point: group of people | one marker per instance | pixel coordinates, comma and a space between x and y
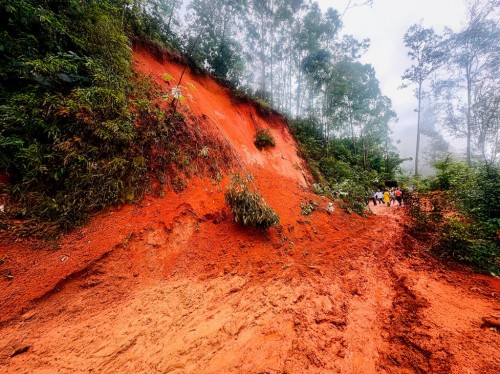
389, 196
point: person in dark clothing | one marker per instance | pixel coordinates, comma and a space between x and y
399, 196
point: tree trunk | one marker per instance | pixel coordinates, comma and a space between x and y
171, 15
290, 90
495, 149
469, 118
417, 150
263, 58
298, 93
271, 50
365, 155
351, 123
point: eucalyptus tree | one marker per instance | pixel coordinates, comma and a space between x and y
316, 53
166, 12
258, 35
423, 46
157, 19
487, 125
306, 37
212, 36
473, 84
269, 33
357, 109
376, 133
350, 87
287, 15
435, 147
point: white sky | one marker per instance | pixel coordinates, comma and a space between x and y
385, 24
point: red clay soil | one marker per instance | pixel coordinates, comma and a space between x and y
174, 286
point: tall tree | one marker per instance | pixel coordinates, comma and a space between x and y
212, 31
473, 84
156, 18
259, 30
316, 43
357, 108
423, 50
435, 146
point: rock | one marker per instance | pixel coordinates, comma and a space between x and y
492, 321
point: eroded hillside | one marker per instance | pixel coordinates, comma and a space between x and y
172, 285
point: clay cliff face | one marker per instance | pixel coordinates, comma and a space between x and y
172, 285
238, 123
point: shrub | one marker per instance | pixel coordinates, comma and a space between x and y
263, 138
460, 242
466, 238
342, 171
473, 191
322, 190
353, 195
65, 80
263, 107
307, 208
249, 208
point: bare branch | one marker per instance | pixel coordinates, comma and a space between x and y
351, 5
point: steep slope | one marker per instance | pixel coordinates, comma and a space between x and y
204, 98
173, 286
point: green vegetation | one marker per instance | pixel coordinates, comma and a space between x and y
66, 125
292, 56
249, 208
307, 208
464, 217
78, 129
263, 139
342, 171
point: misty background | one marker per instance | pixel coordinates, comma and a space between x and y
381, 25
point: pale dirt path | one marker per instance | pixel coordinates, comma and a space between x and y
369, 305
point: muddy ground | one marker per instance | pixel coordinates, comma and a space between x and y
156, 304
172, 285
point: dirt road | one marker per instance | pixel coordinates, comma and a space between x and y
366, 303
171, 285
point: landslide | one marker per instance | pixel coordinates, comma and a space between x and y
172, 285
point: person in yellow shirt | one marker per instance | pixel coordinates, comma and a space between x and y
387, 198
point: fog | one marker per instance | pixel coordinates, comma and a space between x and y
385, 24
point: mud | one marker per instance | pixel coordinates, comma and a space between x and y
171, 285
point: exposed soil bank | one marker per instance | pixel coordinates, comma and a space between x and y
214, 299
173, 286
